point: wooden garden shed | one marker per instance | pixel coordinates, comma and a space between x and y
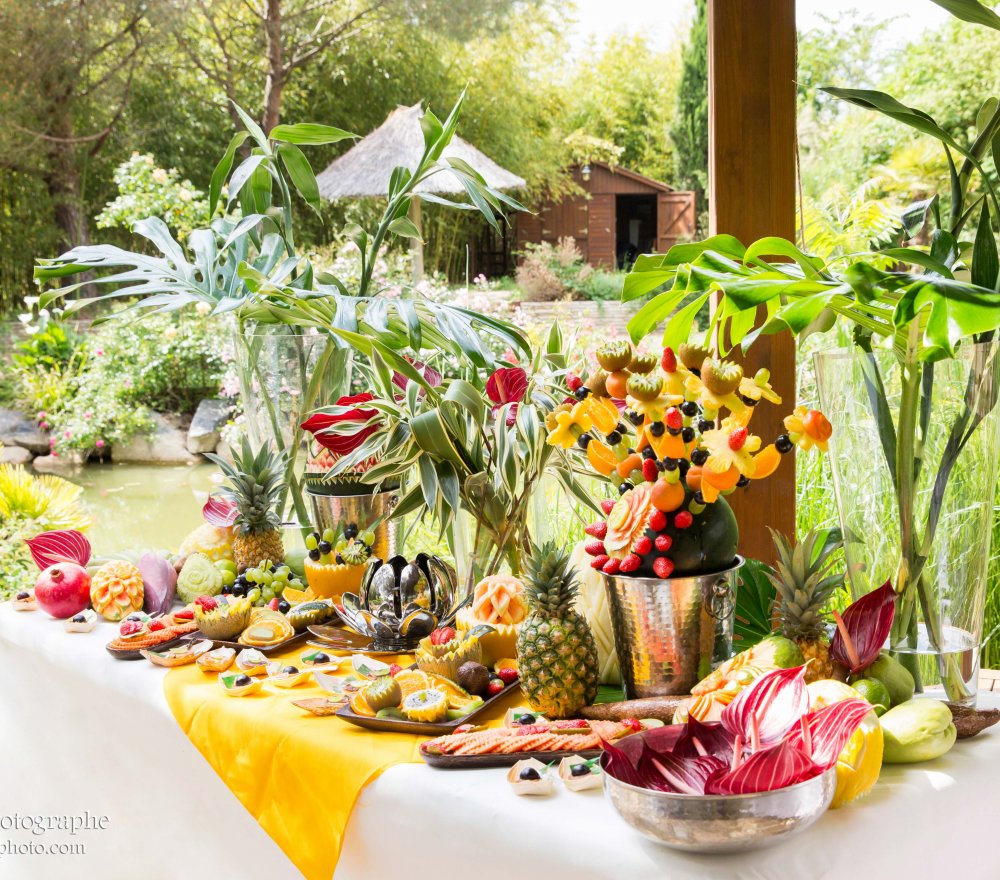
618, 215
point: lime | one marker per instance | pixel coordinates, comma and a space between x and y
228, 577
226, 565
874, 692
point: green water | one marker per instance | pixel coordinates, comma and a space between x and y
138, 507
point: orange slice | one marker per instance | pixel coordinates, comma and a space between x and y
723, 481
604, 413
628, 464
601, 458
359, 705
766, 462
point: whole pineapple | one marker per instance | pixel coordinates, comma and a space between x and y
255, 484
803, 578
556, 652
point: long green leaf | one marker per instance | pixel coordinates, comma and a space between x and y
301, 174
222, 170
971, 11
309, 133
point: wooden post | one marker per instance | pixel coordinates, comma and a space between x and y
751, 172
416, 245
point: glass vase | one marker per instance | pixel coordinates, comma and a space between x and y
914, 453
285, 373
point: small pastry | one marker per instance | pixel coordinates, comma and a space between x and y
83, 622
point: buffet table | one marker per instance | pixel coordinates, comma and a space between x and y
84, 734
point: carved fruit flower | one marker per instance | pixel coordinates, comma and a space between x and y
628, 520
724, 451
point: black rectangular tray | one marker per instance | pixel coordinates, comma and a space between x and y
420, 727
472, 762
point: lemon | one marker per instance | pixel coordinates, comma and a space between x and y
859, 763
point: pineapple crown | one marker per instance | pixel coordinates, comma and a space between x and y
255, 484
550, 581
804, 581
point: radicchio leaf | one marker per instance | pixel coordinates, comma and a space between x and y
687, 775
769, 769
765, 710
616, 763
219, 511
663, 739
699, 738
828, 730
63, 545
868, 622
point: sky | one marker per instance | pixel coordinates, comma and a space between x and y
662, 20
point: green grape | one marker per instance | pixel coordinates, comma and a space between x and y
228, 577
368, 538
340, 546
251, 575
282, 573
328, 536
266, 578
312, 542
253, 595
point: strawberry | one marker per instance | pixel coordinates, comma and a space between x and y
507, 674
629, 563
273, 604
184, 614
443, 636
663, 567
607, 504
611, 566
129, 627
206, 603
569, 399
658, 521
642, 546
594, 548
683, 520
599, 562
394, 668
573, 382
649, 471
663, 543
156, 625
597, 530
633, 723
495, 686
674, 419
737, 438
669, 360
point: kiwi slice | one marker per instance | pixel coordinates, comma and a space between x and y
692, 356
645, 388
615, 355
643, 363
721, 377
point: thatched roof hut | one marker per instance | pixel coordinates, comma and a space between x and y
364, 170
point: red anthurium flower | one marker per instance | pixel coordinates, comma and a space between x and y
775, 767
62, 545
219, 511
823, 734
688, 775
863, 629
507, 385
431, 376
321, 424
765, 710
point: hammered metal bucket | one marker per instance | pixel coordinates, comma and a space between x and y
337, 511
669, 634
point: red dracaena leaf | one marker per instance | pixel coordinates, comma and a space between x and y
775, 767
219, 511
507, 385
765, 710
823, 734
63, 545
687, 775
867, 622
345, 412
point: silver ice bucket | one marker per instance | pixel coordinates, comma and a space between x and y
368, 511
669, 634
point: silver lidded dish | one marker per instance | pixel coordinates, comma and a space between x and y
401, 601
722, 823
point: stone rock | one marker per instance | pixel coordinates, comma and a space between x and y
63, 462
165, 444
15, 455
224, 450
17, 429
209, 418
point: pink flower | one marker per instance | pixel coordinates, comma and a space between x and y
127, 383
99, 352
67, 433
43, 425
42, 415
99, 444
86, 415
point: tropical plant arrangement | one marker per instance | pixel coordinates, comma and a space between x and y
245, 265
925, 367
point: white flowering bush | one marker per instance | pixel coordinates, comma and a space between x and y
146, 190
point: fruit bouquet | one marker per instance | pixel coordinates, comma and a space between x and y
648, 423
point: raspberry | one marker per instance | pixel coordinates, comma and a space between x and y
657, 520
573, 382
674, 418
611, 566
663, 567
669, 360
495, 686
649, 471
156, 625
683, 520
597, 529
642, 546
607, 504
594, 548
629, 563
507, 674
663, 543
737, 438
394, 668
633, 723
599, 562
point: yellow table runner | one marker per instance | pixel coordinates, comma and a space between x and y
298, 774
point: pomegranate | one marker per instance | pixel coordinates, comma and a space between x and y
63, 589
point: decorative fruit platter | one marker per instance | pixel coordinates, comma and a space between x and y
482, 762
293, 640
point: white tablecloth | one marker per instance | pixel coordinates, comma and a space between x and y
80, 731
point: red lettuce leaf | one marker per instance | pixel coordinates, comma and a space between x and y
823, 734
687, 775
219, 511
63, 545
775, 767
868, 622
507, 385
765, 710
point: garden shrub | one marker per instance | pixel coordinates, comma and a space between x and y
551, 272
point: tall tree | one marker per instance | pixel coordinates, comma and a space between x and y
65, 81
690, 129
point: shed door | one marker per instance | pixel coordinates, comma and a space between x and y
676, 219
602, 231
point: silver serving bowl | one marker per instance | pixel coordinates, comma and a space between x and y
723, 823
